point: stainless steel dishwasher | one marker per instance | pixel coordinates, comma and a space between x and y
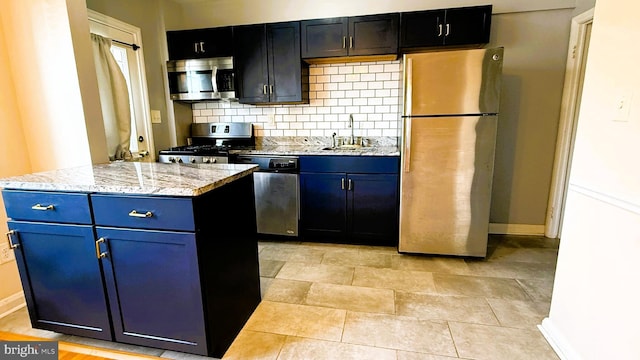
277, 193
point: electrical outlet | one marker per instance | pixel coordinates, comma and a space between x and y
6, 254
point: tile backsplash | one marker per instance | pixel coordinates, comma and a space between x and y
371, 91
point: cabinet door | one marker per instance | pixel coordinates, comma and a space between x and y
200, 43
372, 208
153, 304
251, 64
285, 64
324, 37
323, 205
61, 278
420, 29
470, 25
373, 35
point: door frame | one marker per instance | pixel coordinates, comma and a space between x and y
133, 34
569, 112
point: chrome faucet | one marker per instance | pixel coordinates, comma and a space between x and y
351, 126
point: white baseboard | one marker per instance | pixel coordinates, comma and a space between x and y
516, 229
11, 304
558, 342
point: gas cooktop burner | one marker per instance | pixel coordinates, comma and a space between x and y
197, 150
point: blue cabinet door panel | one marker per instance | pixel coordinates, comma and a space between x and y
61, 278
372, 203
154, 303
165, 213
53, 207
323, 204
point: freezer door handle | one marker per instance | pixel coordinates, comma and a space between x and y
407, 145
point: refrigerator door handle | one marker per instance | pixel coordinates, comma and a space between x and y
408, 86
407, 145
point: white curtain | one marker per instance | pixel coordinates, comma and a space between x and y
114, 98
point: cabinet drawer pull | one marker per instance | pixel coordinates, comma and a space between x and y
42, 207
350, 42
99, 254
134, 213
342, 183
195, 48
11, 244
448, 30
270, 89
344, 42
439, 30
350, 187
264, 89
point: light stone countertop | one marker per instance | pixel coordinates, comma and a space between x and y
317, 150
134, 178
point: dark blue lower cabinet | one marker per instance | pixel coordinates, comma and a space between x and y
351, 208
153, 283
61, 278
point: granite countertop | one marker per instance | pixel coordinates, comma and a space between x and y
134, 178
317, 150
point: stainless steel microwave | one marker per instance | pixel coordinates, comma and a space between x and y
201, 79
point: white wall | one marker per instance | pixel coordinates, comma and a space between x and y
594, 309
51, 63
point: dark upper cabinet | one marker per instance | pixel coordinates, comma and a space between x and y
200, 43
350, 36
268, 64
446, 27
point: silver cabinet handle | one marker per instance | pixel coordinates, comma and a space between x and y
202, 47
439, 30
99, 254
270, 89
342, 183
264, 89
9, 234
448, 30
344, 42
350, 42
42, 207
350, 185
195, 48
134, 213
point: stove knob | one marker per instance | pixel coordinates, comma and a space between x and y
180, 160
214, 160
193, 160
206, 160
172, 159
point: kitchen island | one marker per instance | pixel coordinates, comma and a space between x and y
160, 255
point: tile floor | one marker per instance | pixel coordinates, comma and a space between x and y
328, 301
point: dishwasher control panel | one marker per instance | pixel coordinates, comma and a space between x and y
271, 163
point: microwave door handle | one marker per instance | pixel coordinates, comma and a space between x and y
214, 82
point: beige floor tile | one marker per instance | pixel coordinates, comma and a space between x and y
398, 332
406, 280
291, 252
479, 286
175, 355
265, 283
333, 274
270, 268
407, 355
255, 346
437, 307
511, 270
352, 298
353, 257
115, 346
287, 291
527, 255
538, 289
519, 314
526, 241
300, 348
297, 320
435, 264
482, 342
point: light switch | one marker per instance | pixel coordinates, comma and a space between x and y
622, 107
155, 117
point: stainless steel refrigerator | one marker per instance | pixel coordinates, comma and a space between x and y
451, 103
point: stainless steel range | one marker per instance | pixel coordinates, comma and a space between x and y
210, 143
